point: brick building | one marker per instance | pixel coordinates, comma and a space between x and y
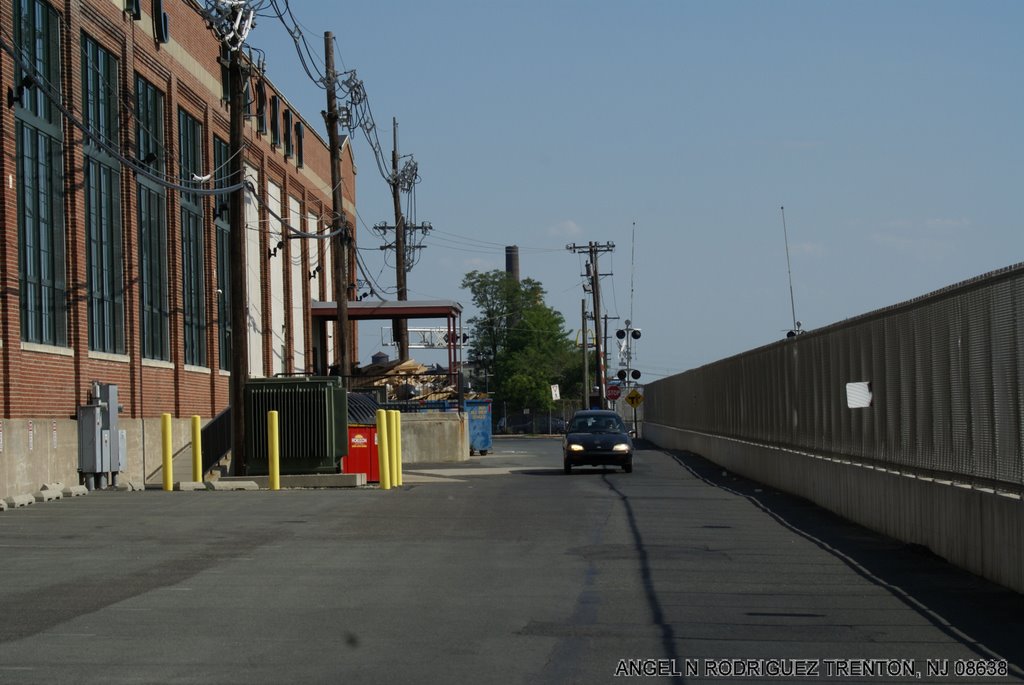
116, 274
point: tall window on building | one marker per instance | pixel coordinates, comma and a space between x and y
152, 220
102, 181
221, 157
287, 133
261, 107
190, 156
225, 73
275, 120
39, 150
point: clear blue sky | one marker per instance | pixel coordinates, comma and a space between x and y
890, 131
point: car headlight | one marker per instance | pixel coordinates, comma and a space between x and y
621, 447
575, 448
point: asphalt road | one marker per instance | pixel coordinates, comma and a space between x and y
501, 570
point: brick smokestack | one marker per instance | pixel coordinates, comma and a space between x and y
512, 261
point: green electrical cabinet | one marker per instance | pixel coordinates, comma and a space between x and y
312, 419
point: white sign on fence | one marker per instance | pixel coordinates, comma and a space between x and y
858, 395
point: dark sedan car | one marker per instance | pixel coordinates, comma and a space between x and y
597, 437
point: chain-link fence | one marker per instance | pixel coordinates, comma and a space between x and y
542, 421
945, 375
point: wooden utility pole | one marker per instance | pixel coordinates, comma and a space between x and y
586, 355
398, 326
238, 73
595, 287
339, 226
594, 275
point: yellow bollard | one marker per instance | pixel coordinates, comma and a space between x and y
274, 449
382, 450
398, 446
392, 449
197, 449
165, 430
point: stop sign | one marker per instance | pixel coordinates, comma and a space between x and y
614, 392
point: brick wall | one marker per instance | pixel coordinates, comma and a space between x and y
40, 381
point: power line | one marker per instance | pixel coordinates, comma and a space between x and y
302, 48
46, 88
135, 165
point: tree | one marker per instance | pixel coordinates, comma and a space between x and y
518, 341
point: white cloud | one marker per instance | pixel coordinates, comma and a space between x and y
927, 239
477, 264
809, 249
565, 229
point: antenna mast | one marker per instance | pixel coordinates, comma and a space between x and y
632, 270
789, 270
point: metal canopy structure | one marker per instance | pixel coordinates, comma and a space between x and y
449, 310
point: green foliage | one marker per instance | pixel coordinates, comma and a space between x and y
519, 342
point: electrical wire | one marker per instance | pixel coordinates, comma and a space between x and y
132, 164
489, 246
39, 81
305, 53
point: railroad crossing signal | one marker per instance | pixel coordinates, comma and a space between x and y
634, 398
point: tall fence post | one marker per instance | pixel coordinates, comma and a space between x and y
197, 449
382, 449
274, 451
165, 444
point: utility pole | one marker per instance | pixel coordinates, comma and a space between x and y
586, 355
238, 73
595, 289
594, 273
399, 325
339, 227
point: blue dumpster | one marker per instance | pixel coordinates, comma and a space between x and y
479, 412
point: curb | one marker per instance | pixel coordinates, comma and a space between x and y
223, 486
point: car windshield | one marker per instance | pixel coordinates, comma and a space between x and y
597, 424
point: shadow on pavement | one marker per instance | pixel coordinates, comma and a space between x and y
576, 471
988, 613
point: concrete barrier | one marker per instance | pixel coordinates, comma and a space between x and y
432, 437
976, 529
16, 501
